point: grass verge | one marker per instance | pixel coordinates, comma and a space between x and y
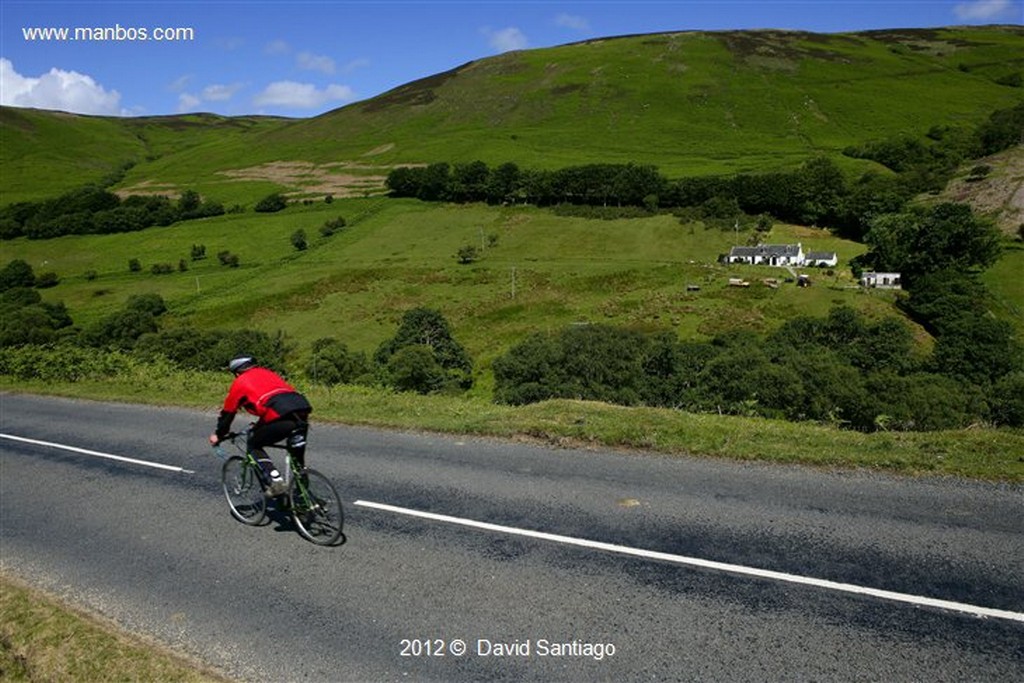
981, 453
44, 639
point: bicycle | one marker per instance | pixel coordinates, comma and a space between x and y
310, 498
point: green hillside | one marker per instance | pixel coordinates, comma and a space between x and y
691, 103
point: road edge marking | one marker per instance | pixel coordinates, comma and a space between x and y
917, 600
98, 454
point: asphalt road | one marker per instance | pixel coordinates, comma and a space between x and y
415, 598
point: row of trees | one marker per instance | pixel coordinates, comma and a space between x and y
94, 210
817, 193
840, 370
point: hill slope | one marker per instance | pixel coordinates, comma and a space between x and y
691, 103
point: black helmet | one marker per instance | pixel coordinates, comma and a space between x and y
240, 364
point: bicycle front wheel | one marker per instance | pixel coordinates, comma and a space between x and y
243, 490
316, 508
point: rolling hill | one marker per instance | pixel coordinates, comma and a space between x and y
691, 103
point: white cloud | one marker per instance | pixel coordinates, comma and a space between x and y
570, 21
984, 10
312, 62
188, 102
57, 89
506, 39
293, 95
220, 93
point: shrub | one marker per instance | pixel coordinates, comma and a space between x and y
16, 273
1008, 400
468, 254
332, 226
299, 240
332, 363
428, 328
63, 363
134, 265
415, 368
271, 203
46, 280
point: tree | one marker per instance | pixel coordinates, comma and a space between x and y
922, 240
271, 203
428, 328
415, 368
1008, 400
818, 189
977, 348
299, 240
16, 273
333, 363
468, 254
188, 202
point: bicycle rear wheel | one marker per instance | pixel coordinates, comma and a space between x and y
316, 508
244, 491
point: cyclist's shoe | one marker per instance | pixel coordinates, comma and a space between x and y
277, 487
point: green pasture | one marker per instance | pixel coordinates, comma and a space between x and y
690, 103
537, 272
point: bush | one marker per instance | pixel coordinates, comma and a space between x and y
592, 362
1008, 400
299, 240
193, 349
226, 258
415, 368
332, 226
427, 328
468, 254
61, 363
134, 265
271, 203
16, 273
332, 363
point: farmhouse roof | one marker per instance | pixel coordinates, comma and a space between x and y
820, 255
790, 250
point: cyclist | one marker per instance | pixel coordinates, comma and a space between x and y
282, 411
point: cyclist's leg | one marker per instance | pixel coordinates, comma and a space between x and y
297, 439
264, 434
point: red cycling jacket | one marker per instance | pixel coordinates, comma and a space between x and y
263, 393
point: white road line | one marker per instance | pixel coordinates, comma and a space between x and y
98, 454
974, 610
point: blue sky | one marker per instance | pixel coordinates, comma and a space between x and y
303, 58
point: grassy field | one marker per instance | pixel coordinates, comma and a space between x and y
538, 272
691, 103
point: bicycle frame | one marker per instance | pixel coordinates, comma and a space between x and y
240, 440
309, 498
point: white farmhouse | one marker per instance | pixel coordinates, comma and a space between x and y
781, 255
768, 255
